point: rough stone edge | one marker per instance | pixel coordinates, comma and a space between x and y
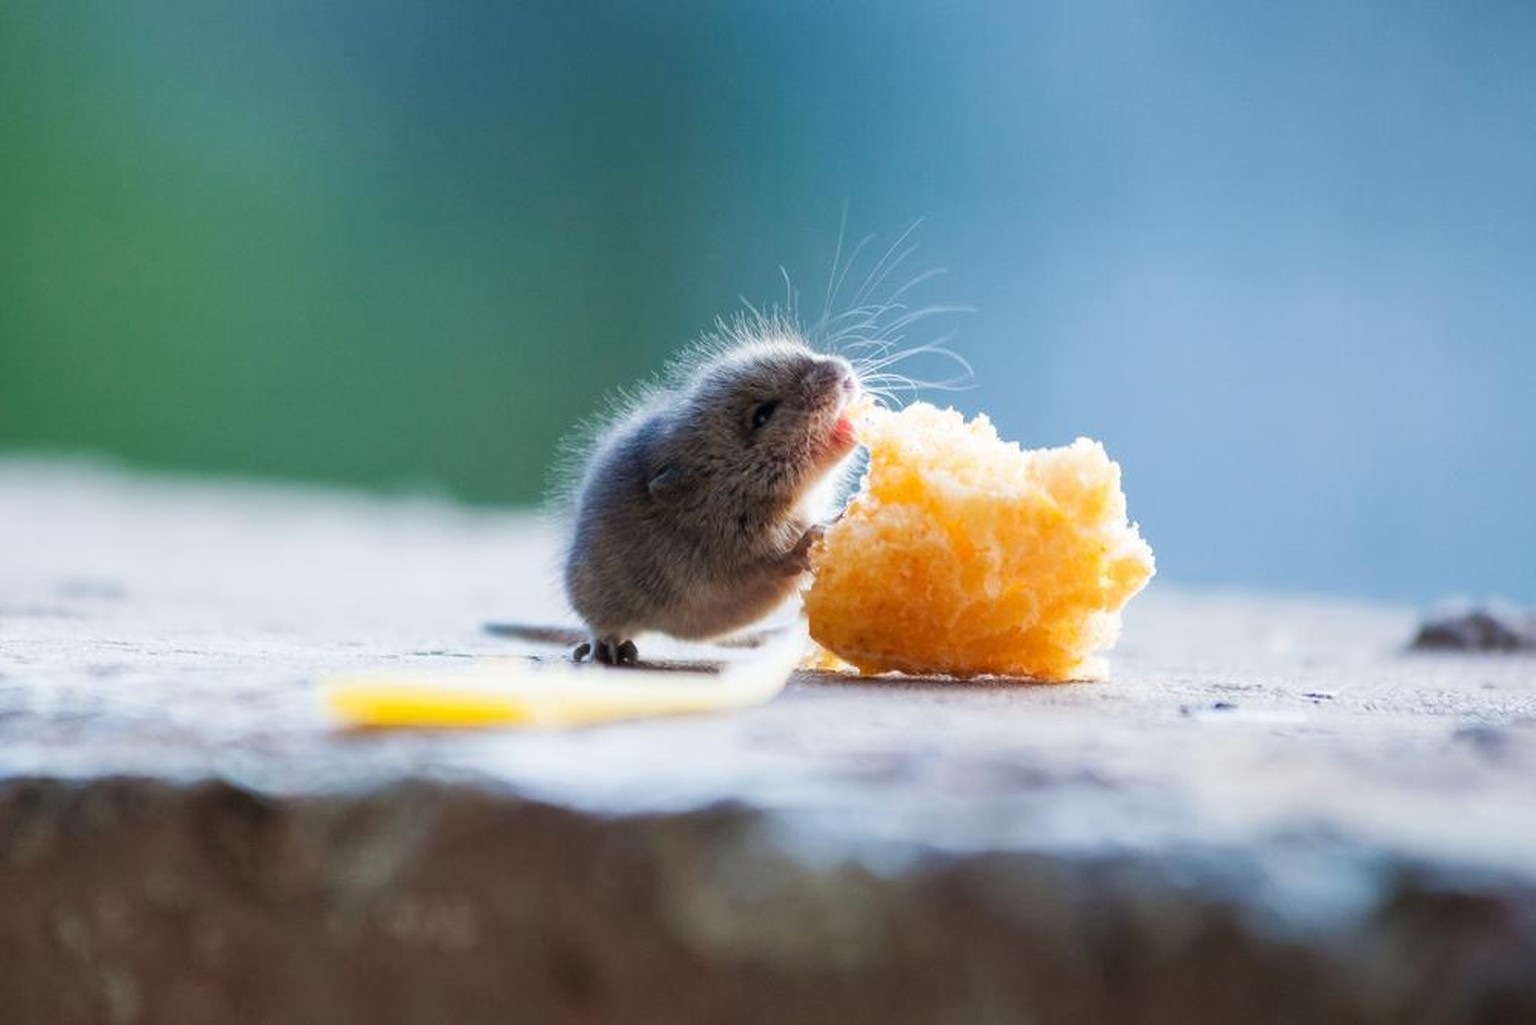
134, 900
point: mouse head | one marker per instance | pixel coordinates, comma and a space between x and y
762, 422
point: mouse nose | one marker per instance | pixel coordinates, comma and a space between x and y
833, 370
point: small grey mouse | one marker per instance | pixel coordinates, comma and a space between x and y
696, 509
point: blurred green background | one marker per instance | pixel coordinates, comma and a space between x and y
1280, 260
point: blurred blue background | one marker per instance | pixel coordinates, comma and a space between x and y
1282, 260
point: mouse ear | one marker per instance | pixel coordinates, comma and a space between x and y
670, 485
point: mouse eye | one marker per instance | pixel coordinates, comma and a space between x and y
763, 413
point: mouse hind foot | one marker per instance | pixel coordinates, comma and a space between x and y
610, 651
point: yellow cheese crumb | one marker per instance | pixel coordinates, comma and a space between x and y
518, 692
964, 555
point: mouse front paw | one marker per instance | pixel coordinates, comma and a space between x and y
610, 651
798, 559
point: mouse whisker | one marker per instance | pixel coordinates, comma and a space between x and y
936, 348
914, 385
876, 338
837, 256
837, 279
857, 324
921, 313
887, 264
884, 389
925, 276
790, 310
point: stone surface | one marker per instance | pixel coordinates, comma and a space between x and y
1272, 812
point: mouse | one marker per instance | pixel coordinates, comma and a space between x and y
696, 507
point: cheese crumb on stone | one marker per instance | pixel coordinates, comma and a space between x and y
964, 555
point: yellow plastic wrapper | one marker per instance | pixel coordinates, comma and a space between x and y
963, 555
518, 692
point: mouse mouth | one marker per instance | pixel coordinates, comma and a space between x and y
844, 434
833, 398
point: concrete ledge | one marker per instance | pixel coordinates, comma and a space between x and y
1271, 813
129, 900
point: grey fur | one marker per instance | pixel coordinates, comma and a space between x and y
689, 520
